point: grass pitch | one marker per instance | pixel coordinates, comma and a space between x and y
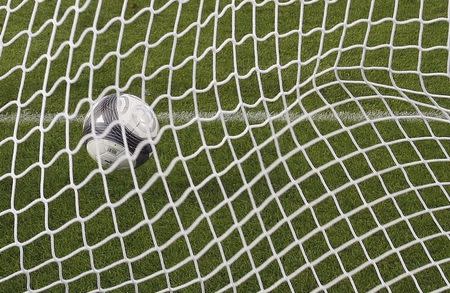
301, 204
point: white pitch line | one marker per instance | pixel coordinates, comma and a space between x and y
251, 117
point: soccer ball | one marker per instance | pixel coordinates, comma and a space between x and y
120, 112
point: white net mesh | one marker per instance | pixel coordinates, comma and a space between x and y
304, 146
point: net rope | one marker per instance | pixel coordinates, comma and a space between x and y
431, 109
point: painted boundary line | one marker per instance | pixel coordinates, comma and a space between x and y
252, 117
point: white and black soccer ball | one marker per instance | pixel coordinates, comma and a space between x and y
120, 112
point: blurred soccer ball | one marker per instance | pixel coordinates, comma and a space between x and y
116, 121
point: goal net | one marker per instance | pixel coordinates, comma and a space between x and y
303, 146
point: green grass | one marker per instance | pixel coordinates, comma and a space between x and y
322, 195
